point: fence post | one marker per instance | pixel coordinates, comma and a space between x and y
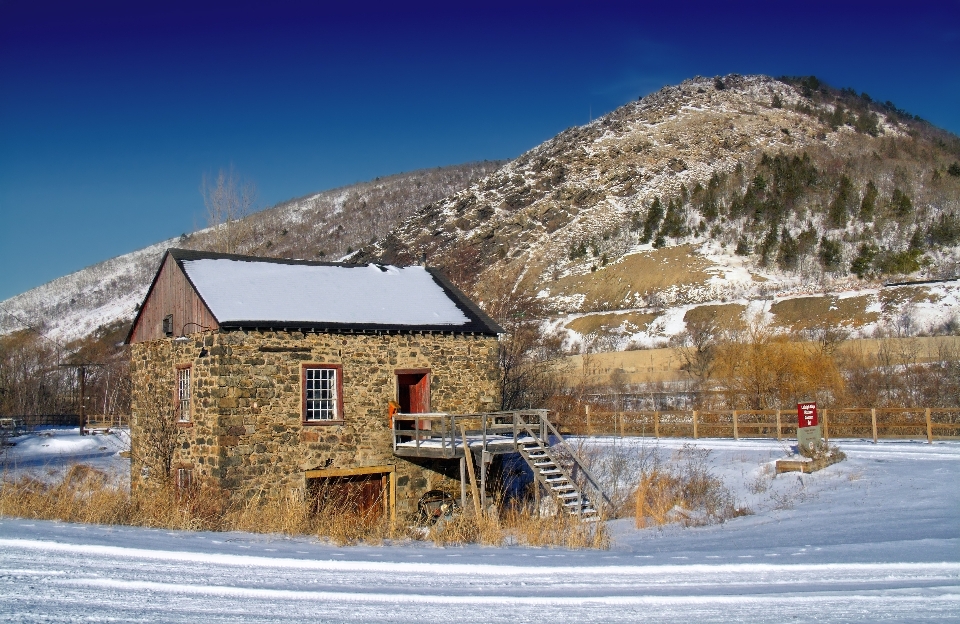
926, 413
586, 409
736, 432
778, 425
656, 425
621, 424
694, 424
826, 428
873, 423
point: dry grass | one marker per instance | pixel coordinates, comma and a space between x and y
687, 493
812, 312
591, 323
728, 316
521, 528
86, 495
644, 273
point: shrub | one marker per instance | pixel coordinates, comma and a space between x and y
898, 262
688, 493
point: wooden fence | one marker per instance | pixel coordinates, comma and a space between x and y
30, 421
876, 423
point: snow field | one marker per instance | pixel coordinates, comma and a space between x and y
874, 538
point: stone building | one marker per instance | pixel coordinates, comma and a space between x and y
277, 374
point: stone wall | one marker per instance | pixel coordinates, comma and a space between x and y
246, 430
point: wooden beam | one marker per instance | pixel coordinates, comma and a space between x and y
348, 472
463, 483
393, 496
468, 456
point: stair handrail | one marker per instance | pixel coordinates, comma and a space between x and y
592, 480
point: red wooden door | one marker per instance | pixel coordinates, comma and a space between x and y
413, 392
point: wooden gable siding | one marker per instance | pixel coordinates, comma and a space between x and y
172, 294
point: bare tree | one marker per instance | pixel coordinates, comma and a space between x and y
228, 200
526, 353
155, 435
697, 346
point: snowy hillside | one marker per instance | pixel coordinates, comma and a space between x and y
322, 225
734, 189
76, 305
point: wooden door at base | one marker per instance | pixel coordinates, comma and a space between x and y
363, 495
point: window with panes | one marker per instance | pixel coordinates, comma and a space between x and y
183, 394
322, 395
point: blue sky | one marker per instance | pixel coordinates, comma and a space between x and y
111, 112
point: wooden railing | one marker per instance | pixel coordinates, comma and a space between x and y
876, 423
444, 430
107, 420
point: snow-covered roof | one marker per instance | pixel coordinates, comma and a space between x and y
255, 292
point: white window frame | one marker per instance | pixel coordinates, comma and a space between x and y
184, 406
322, 393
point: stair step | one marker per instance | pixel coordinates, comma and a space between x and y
570, 495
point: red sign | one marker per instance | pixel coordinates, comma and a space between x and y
807, 415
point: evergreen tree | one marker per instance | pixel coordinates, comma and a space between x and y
862, 264
901, 204
654, 217
788, 255
837, 212
831, 254
869, 203
674, 223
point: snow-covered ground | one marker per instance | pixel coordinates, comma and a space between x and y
47, 452
875, 538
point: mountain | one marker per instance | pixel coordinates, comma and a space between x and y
103, 297
734, 192
719, 198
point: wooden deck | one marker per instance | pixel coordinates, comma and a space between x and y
441, 435
476, 438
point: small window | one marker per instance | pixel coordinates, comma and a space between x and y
322, 394
184, 479
183, 394
168, 325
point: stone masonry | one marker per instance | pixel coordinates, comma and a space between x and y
246, 431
